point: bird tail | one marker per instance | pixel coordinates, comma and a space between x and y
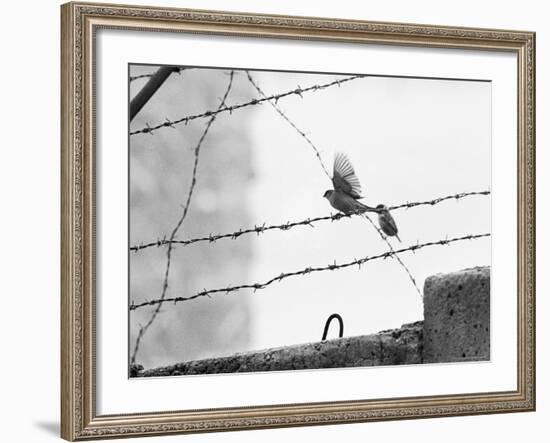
361, 207
397, 236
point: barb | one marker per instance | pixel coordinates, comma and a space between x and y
143, 329
284, 116
309, 270
396, 257
260, 229
298, 91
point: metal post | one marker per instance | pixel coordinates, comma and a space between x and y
149, 89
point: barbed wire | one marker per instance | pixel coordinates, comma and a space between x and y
172, 241
137, 77
308, 270
276, 97
260, 229
143, 329
290, 122
435, 201
318, 155
396, 257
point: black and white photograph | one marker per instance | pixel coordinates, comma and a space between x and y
284, 221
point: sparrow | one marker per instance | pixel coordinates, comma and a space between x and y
347, 189
386, 222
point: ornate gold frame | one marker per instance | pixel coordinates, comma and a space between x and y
79, 420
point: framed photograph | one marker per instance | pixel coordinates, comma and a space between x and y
282, 221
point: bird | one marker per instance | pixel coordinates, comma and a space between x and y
386, 222
347, 189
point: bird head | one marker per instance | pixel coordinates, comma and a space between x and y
328, 193
381, 208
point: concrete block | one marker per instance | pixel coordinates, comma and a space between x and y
457, 316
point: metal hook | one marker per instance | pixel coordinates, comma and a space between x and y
327, 325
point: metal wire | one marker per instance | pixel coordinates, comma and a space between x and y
306, 271
138, 77
260, 229
143, 329
297, 91
290, 122
396, 257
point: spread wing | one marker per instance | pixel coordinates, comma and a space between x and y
344, 178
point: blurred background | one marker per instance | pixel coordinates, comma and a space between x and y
409, 139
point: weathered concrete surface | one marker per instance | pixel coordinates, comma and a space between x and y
455, 328
457, 316
392, 347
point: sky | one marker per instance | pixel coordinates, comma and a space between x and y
409, 140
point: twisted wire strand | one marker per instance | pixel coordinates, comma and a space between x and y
276, 97
260, 229
290, 122
138, 77
308, 270
395, 256
143, 329
438, 200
